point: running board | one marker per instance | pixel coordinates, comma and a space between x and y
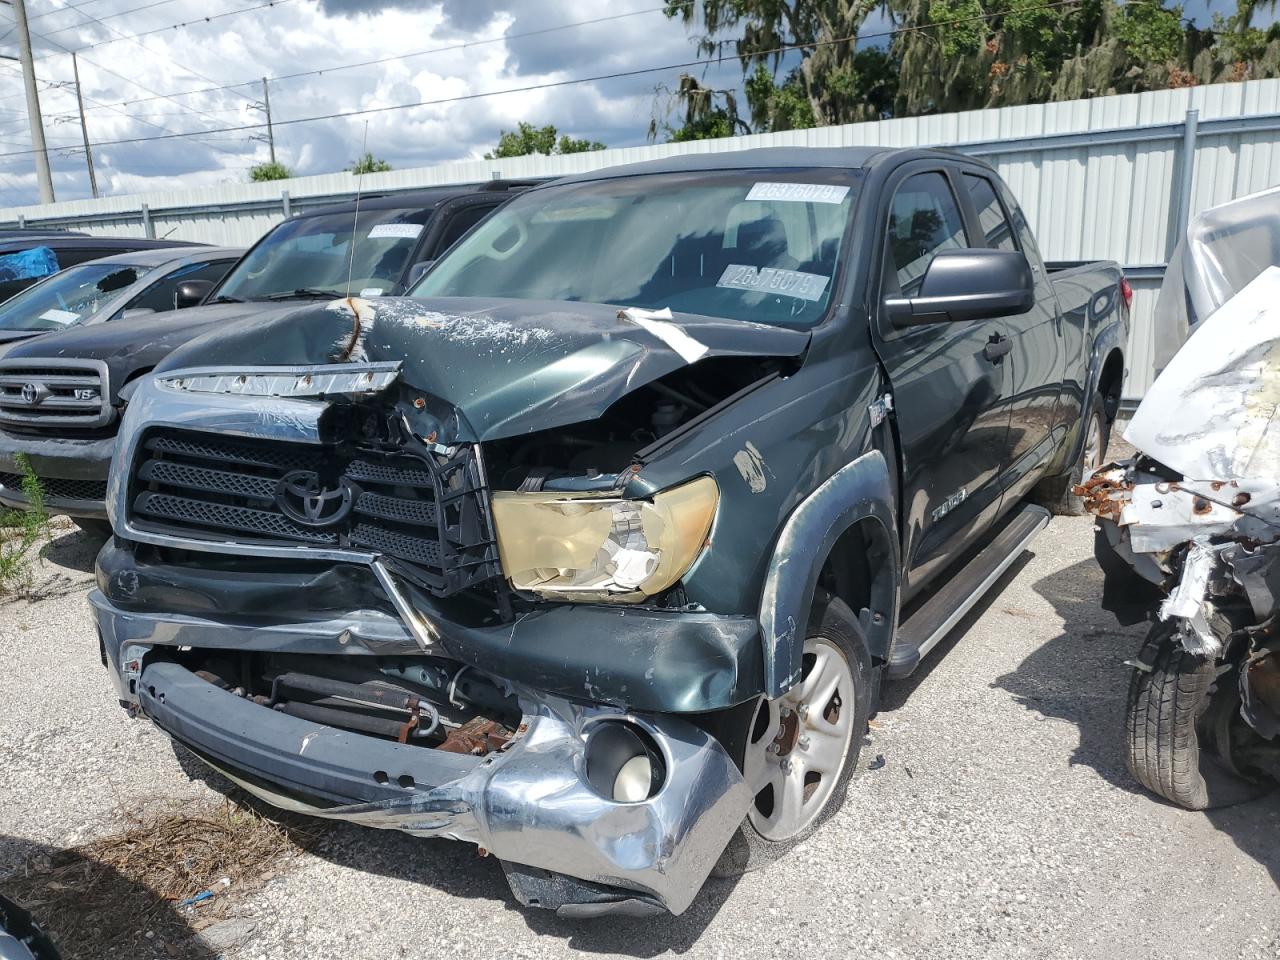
936, 616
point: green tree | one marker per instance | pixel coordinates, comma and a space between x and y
950, 55
754, 30
708, 113
1151, 34
369, 164
269, 170
527, 139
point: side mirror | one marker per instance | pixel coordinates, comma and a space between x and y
967, 285
416, 272
191, 293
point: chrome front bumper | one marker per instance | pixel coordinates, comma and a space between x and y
529, 804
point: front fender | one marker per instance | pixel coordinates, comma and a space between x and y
861, 490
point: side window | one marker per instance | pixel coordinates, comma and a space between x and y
159, 296
1026, 240
991, 217
923, 220
460, 223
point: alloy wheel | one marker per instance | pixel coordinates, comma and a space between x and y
799, 744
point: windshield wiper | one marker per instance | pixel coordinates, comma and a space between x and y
303, 293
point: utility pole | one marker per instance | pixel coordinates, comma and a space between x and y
84, 130
266, 105
33, 101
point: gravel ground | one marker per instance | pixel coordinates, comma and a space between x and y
992, 816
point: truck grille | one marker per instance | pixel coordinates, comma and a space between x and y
427, 514
57, 488
72, 394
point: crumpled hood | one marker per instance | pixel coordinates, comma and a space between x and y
506, 367
138, 343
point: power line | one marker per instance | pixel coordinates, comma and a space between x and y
66, 7
169, 133
177, 26
552, 84
406, 56
180, 66
109, 16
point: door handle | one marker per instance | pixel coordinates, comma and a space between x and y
997, 347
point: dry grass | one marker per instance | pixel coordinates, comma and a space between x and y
100, 899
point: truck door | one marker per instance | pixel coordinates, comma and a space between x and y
1037, 357
949, 385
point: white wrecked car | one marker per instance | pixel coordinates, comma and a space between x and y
1196, 516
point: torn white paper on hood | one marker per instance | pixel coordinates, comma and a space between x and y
1214, 413
658, 322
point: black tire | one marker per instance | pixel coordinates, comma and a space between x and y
98, 529
1168, 707
18, 923
832, 620
1055, 493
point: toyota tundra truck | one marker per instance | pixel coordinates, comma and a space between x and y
596, 549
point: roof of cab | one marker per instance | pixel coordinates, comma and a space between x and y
159, 257
420, 199
778, 158
61, 241
35, 233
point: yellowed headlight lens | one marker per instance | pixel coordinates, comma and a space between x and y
581, 547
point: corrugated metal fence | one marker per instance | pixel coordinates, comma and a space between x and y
1099, 179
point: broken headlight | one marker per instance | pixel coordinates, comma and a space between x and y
569, 546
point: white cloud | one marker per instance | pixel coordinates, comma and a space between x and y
302, 35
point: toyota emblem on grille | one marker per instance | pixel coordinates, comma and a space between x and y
304, 499
34, 393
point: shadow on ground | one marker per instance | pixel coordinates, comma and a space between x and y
1080, 677
73, 549
458, 870
91, 910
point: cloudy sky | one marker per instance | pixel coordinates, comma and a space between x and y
246, 39
121, 78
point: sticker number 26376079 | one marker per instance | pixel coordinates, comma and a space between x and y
791, 283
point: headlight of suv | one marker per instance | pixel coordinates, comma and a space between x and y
579, 546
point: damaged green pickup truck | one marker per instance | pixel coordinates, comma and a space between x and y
594, 552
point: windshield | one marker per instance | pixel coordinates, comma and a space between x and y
68, 297
313, 255
748, 245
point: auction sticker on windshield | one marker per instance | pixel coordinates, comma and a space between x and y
792, 283
399, 231
799, 192
60, 316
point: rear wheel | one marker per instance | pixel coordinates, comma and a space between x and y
1056, 493
1176, 709
803, 747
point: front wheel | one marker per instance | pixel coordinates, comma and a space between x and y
803, 747
1174, 704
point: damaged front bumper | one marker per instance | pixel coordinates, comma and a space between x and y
563, 844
